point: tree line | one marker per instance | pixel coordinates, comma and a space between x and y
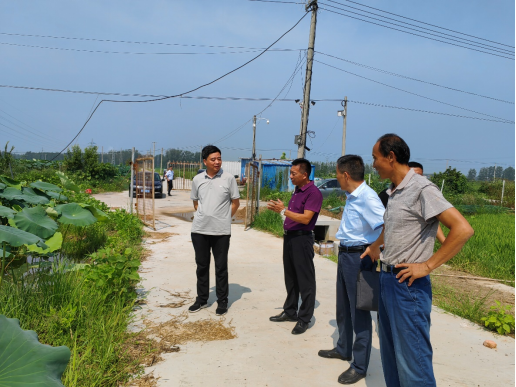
491, 173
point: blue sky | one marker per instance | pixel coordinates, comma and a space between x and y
191, 123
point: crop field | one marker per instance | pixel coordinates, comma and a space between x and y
490, 252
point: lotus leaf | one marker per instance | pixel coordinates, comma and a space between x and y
11, 193
24, 361
100, 215
51, 212
55, 195
7, 252
41, 193
6, 212
32, 197
14, 237
53, 244
73, 213
36, 221
45, 186
67, 183
2, 186
10, 182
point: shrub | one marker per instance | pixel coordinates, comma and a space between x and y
454, 181
500, 319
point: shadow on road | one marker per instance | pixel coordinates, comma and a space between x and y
235, 293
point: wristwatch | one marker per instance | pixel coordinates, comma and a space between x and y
282, 213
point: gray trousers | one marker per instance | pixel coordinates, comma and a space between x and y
350, 319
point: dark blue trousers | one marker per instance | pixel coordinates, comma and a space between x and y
404, 331
350, 319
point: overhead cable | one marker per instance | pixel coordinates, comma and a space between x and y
411, 33
412, 79
462, 41
417, 95
189, 91
428, 24
145, 53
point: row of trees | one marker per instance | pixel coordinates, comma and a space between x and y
491, 173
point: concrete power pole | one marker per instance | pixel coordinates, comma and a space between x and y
344, 114
102, 157
308, 79
253, 157
161, 162
494, 173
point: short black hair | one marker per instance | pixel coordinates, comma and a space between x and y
391, 142
415, 164
208, 150
304, 166
353, 165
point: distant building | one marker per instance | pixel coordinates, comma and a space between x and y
275, 173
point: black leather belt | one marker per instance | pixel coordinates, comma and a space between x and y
352, 249
390, 268
297, 232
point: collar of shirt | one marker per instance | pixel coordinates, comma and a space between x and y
218, 174
356, 192
403, 183
305, 187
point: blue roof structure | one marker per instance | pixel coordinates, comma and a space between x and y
275, 173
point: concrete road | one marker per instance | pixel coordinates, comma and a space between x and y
267, 354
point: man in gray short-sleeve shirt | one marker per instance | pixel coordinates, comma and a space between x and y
215, 197
414, 210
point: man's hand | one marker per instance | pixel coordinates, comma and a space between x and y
412, 271
373, 252
275, 205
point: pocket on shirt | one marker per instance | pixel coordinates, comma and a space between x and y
353, 220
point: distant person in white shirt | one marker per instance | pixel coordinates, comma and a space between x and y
170, 177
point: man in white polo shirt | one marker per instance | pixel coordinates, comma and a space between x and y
216, 199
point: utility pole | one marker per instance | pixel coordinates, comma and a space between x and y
153, 152
308, 79
102, 157
446, 164
494, 173
161, 162
253, 157
344, 114
200, 159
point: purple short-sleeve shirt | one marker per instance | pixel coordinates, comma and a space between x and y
309, 198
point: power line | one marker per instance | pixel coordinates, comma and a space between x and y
144, 53
136, 42
429, 112
41, 138
428, 24
190, 91
299, 64
411, 33
44, 135
472, 42
417, 95
412, 79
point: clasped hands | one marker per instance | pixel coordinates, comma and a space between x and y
411, 271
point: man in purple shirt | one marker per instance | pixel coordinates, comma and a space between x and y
298, 241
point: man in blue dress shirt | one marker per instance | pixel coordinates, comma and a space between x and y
361, 225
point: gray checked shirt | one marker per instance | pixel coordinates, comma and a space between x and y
214, 196
410, 220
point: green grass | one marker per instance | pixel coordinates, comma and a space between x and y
269, 221
490, 252
459, 303
63, 309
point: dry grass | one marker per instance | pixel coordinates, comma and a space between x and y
146, 347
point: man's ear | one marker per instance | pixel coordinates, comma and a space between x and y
391, 156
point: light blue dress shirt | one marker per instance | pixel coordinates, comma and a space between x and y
362, 218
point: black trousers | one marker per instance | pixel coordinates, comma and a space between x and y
169, 186
219, 245
298, 265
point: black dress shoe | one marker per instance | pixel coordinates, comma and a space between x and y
350, 376
332, 354
300, 327
282, 317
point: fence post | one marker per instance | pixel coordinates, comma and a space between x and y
132, 177
259, 184
503, 189
442, 186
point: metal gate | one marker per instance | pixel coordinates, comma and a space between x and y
253, 201
183, 174
144, 190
